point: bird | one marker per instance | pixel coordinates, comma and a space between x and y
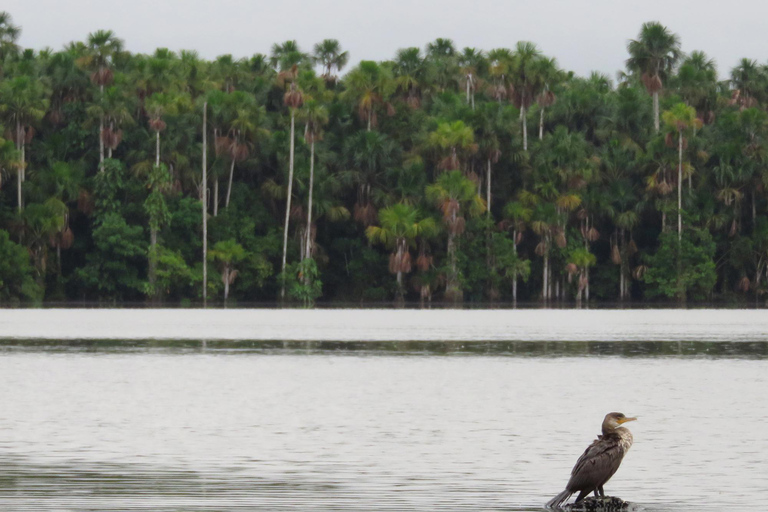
599, 461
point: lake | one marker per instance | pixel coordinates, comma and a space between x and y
384, 410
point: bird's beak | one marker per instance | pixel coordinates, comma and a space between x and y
624, 420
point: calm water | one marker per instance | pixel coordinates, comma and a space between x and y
475, 426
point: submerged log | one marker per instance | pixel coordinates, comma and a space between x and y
604, 504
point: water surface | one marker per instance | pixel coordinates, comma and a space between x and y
167, 429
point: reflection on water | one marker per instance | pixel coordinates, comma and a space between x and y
100, 427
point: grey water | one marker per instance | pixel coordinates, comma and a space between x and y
488, 424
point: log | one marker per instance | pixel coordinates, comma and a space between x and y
603, 504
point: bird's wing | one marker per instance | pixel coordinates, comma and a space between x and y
596, 465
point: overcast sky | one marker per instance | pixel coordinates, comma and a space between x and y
583, 35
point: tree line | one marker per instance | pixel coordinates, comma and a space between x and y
441, 174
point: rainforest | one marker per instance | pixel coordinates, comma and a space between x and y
442, 175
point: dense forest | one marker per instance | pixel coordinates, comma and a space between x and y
442, 174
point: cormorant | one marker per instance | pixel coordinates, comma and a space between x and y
599, 462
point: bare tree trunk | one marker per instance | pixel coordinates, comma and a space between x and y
153, 261
215, 196
679, 185
204, 200
288, 202
309, 206
586, 285
157, 149
525, 128
101, 129
541, 124
229, 187
656, 111
101, 144
514, 291
370, 113
488, 188
468, 77
226, 283
20, 171
545, 287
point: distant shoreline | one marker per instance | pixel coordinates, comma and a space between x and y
345, 325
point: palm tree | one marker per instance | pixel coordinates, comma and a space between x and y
456, 196
400, 225
368, 86
697, 79
9, 33
547, 75
678, 119
524, 81
518, 214
315, 115
471, 63
158, 106
102, 47
499, 69
748, 80
369, 155
293, 99
112, 112
579, 261
328, 54
246, 124
22, 104
228, 70
454, 142
441, 55
409, 74
67, 80
653, 56
287, 55
227, 254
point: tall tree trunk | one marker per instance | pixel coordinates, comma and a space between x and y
656, 111
226, 283
311, 187
229, 187
586, 285
288, 202
204, 200
153, 261
525, 128
215, 196
101, 144
370, 113
545, 284
541, 124
101, 129
468, 77
20, 171
679, 185
157, 149
488, 188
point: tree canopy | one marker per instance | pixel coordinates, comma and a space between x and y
468, 174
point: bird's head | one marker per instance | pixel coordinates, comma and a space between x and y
614, 420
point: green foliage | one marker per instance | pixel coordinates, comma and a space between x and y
684, 269
303, 281
16, 274
116, 268
444, 172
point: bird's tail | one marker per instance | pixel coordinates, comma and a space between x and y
558, 500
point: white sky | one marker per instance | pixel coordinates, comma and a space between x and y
583, 35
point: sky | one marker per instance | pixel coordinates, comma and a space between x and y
583, 35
